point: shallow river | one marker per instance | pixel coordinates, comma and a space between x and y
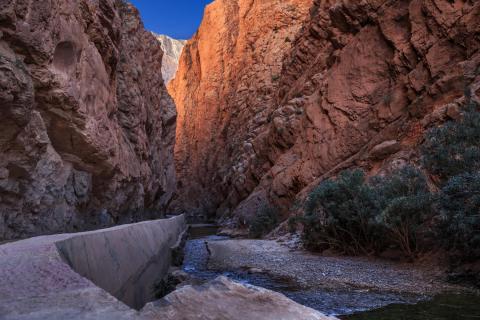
346, 304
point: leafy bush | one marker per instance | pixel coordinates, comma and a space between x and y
354, 216
406, 205
339, 214
264, 221
454, 148
452, 152
459, 217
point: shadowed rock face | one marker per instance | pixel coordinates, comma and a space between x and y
86, 124
357, 86
172, 49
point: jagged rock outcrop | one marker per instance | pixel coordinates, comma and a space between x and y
172, 49
357, 88
86, 124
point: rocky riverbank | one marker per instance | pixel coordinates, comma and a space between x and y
314, 271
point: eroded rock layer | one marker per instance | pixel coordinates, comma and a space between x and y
359, 84
86, 124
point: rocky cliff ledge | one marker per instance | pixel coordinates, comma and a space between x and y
269, 104
86, 124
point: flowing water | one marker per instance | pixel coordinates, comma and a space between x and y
347, 304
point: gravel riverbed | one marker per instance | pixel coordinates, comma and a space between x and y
314, 271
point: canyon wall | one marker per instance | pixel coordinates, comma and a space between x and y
226, 83
86, 124
172, 49
356, 86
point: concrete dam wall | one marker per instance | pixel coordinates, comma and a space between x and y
125, 260
103, 273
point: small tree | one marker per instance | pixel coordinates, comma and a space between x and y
459, 219
452, 152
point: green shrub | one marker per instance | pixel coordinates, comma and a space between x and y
452, 152
265, 220
339, 214
406, 205
292, 224
354, 216
459, 217
454, 148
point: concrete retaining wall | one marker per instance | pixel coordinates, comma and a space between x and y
125, 261
84, 275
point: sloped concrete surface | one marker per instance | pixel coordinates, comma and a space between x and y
125, 261
36, 282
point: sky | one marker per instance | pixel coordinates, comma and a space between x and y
178, 19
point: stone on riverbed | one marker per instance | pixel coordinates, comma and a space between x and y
223, 299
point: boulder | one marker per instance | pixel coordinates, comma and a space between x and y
224, 299
384, 149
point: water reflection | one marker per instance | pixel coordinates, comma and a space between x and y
443, 307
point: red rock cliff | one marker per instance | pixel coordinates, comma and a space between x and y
86, 125
224, 89
359, 84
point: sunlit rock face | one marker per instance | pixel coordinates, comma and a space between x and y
224, 88
274, 96
172, 49
86, 124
